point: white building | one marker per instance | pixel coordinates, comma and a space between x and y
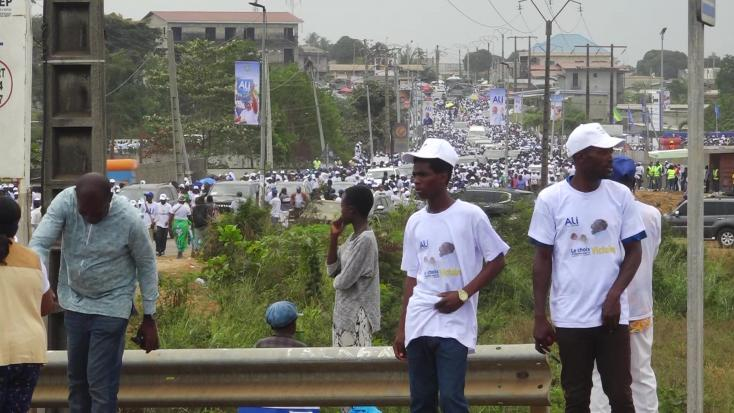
282, 29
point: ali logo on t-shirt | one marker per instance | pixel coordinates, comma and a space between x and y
597, 227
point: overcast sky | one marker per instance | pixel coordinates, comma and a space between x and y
634, 23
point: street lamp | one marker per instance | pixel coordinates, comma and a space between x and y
662, 76
263, 74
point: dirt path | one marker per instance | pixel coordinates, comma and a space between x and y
172, 266
664, 201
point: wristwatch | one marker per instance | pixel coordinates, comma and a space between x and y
463, 296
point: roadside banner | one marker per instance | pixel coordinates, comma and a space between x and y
497, 106
556, 107
518, 104
15, 88
246, 93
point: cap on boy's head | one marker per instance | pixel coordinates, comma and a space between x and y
281, 314
434, 148
587, 135
623, 169
163, 197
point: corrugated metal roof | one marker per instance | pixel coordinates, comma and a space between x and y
223, 17
565, 43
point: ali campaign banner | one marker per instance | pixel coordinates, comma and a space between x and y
518, 104
246, 94
497, 106
556, 107
15, 88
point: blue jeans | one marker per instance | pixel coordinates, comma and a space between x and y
95, 347
437, 370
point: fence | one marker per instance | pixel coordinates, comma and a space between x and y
505, 375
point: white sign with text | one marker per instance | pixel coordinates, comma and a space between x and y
15, 87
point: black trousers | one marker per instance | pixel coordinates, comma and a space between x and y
161, 235
579, 348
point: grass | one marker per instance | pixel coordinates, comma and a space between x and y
251, 265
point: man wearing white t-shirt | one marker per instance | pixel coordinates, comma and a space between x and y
644, 384
162, 219
587, 232
275, 204
450, 252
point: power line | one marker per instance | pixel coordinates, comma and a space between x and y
505, 20
130, 77
471, 18
583, 19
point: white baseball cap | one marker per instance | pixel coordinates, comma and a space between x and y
589, 134
434, 148
163, 197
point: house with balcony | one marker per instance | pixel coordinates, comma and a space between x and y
281, 39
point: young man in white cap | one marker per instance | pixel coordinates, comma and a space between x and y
162, 220
644, 384
587, 232
450, 252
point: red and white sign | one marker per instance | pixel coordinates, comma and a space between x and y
15, 88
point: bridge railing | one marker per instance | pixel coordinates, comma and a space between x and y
511, 375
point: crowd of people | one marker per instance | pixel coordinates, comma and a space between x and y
582, 224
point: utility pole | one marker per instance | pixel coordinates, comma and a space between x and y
546, 92
268, 111
460, 63
588, 84
514, 69
318, 118
588, 80
468, 65
695, 253
530, 64
489, 66
398, 103
179, 158
517, 59
263, 95
438, 57
369, 123
612, 70
388, 135
502, 66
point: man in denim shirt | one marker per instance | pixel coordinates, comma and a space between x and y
105, 251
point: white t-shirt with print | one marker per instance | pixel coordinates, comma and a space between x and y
587, 231
162, 214
640, 289
445, 252
181, 211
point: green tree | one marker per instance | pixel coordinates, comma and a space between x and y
725, 78
674, 62
296, 138
346, 50
678, 91
313, 39
479, 61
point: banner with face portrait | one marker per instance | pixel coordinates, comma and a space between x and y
497, 106
518, 104
246, 94
556, 107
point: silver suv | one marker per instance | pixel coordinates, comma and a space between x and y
718, 220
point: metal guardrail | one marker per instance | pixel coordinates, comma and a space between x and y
513, 375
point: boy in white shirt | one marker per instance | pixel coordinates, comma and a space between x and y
644, 384
587, 232
450, 252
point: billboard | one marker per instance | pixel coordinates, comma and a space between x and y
247, 93
556, 107
15, 88
497, 106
